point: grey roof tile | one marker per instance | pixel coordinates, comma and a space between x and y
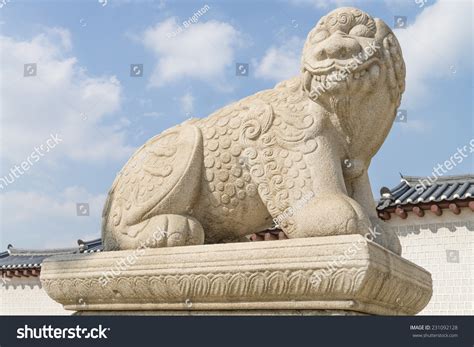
446, 188
16, 258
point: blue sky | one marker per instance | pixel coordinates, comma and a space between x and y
83, 90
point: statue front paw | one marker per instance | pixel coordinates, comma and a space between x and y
329, 215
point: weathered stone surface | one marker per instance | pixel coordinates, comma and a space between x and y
219, 178
297, 154
274, 277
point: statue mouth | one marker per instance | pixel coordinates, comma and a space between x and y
333, 75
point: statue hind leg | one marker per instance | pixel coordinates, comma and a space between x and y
165, 230
149, 202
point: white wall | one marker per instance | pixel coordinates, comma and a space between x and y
25, 296
444, 246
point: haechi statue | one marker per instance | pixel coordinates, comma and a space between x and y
304, 146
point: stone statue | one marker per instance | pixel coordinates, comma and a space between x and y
297, 154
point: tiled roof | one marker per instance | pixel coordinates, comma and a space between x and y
22, 259
414, 190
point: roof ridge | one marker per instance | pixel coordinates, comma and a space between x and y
442, 178
82, 246
22, 252
413, 190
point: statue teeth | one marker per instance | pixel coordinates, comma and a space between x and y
357, 75
374, 73
307, 80
323, 78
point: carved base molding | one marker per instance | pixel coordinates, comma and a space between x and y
296, 276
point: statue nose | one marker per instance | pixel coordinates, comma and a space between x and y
337, 46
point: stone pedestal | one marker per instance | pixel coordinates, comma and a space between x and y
322, 275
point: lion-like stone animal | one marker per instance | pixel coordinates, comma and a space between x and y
219, 178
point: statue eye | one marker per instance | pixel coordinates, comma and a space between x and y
320, 35
360, 30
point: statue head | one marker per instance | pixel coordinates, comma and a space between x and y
350, 54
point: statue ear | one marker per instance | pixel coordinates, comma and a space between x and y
393, 58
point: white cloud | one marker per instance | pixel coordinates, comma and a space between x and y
314, 3
415, 125
281, 62
323, 4
438, 41
62, 35
187, 103
326, 4
203, 51
144, 102
153, 114
23, 212
62, 98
